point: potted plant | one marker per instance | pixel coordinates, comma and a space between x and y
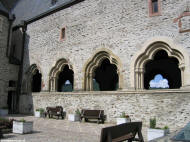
123, 118
74, 117
6, 125
156, 132
22, 126
4, 111
39, 112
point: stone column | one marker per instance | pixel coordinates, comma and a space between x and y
53, 84
182, 68
139, 78
141, 72
90, 82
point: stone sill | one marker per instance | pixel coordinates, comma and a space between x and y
170, 91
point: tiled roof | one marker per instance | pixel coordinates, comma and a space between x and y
3, 9
28, 9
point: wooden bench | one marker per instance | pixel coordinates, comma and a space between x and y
54, 111
122, 132
93, 114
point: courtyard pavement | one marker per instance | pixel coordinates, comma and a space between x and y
53, 130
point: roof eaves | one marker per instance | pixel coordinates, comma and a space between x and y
53, 10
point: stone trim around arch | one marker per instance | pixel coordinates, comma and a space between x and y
96, 61
28, 81
147, 53
54, 73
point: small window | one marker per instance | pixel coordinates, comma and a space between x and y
154, 7
62, 33
1, 24
53, 2
12, 83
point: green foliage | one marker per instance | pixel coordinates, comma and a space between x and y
4, 119
123, 115
5, 107
22, 120
77, 112
166, 127
41, 110
153, 123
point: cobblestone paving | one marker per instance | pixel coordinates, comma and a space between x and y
53, 130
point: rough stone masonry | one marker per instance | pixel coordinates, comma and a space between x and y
123, 29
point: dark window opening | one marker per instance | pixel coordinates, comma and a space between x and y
36, 82
106, 77
53, 2
165, 66
62, 33
12, 83
154, 6
11, 101
65, 80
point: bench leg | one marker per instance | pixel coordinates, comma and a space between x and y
85, 119
81, 119
1, 134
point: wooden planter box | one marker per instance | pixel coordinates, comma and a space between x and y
156, 133
22, 127
4, 112
123, 120
74, 117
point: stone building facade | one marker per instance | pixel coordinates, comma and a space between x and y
134, 40
8, 70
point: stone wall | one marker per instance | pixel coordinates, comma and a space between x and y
7, 71
171, 108
121, 27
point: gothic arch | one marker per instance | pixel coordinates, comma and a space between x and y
147, 53
33, 69
54, 73
96, 61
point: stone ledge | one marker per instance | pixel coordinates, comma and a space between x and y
170, 91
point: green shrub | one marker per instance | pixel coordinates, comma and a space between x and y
153, 123
123, 115
5, 107
41, 110
166, 127
77, 112
4, 119
22, 120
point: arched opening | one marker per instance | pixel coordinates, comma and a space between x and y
106, 76
167, 67
159, 58
61, 77
102, 72
65, 80
36, 81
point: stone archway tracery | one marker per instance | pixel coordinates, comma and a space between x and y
148, 55
33, 69
96, 62
54, 73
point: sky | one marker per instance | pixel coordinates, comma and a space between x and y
159, 82
67, 82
